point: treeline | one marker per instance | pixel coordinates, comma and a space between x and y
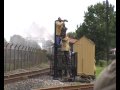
30, 42
19, 40
94, 27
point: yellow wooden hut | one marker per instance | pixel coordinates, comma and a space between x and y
85, 49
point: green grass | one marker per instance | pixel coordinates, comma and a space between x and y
98, 70
101, 64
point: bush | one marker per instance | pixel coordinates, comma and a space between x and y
101, 63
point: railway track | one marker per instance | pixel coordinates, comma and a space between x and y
22, 76
75, 87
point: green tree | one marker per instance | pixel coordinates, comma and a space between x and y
71, 34
94, 27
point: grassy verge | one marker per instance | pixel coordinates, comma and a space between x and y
98, 70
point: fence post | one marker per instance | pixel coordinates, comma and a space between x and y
6, 57
29, 57
18, 56
40, 56
35, 56
14, 57
32, 56
25, 59
22, 56
10, 58
34, 60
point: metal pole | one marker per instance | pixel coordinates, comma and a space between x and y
32, 57
6, 57
35, 56
10, 62
55, 52
28, 57
22, 56
25, 57
15, 57
107, 31
18, 56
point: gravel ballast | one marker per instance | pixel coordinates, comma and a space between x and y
38, 82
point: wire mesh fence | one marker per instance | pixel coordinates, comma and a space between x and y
22, 57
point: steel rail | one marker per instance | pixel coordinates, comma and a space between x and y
75, 87
21, 76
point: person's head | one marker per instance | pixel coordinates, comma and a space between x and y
59, 19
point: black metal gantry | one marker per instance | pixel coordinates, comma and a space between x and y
58, 65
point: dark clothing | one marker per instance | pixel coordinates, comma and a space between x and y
58, 40
63, 32
67, 64
66, 54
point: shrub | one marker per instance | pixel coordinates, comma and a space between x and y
102, 63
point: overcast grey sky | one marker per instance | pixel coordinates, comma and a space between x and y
20, 15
